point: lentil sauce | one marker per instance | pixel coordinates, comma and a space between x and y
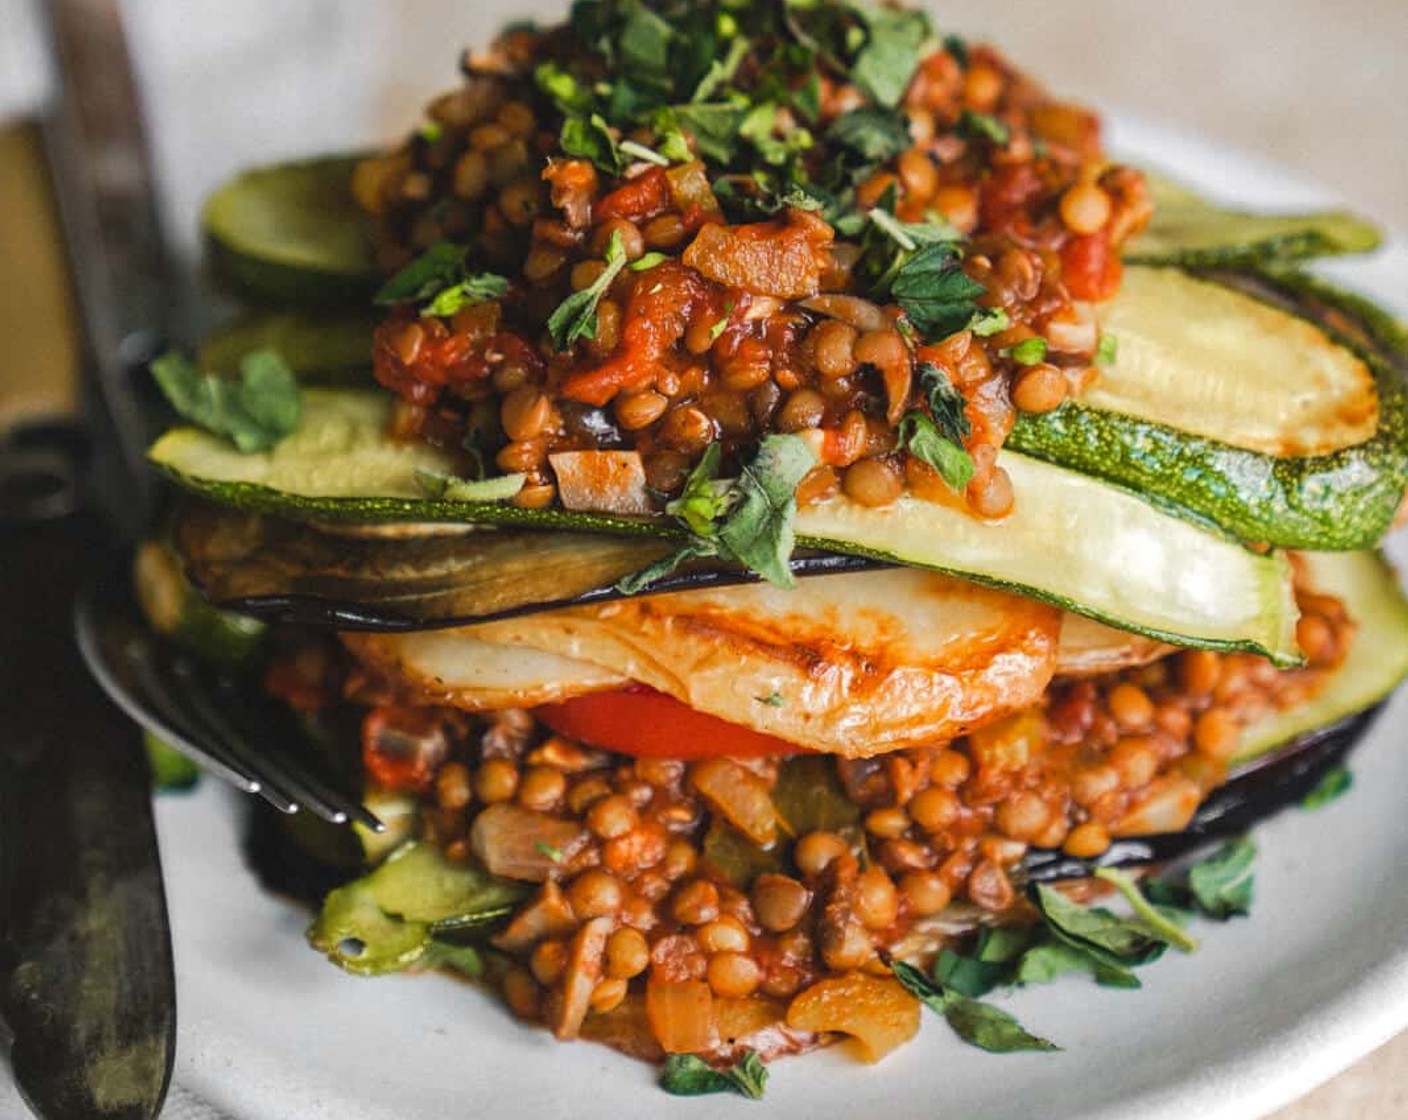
747, 323
686, 880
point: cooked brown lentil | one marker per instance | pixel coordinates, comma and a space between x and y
715, 344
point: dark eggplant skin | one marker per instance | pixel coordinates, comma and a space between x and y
288, 572
1276, 781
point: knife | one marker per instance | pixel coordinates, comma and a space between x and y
86, 981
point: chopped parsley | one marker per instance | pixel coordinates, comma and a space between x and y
1108, 350
443, 488
255, 411
1029, 351
441, 280
983, 126
772, 700
589, 137
894, 44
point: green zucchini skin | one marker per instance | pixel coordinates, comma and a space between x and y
290, 235
1072, 541
1377, 662
321, 349
1189, 231
1345, 500
324, 263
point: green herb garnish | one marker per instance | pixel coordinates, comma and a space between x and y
255, 412
685, 1075
894, 45
1108, 349
588, 136
576, 316
981, 1024
749, 519
1333, 785
937, 295
982, 126
1159, 923
446, 489
1107, 938
1029, 351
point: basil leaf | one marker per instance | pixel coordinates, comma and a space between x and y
439, 267
636, 582
759, 531
990, 1028
1335, 783
444, 488
980, 1024
1158, 923
685, 1075
1043, 963
874, 135
920, 436
255, 412
937, 295
1222, 884
759, 128
590, 138
469, 291
886, 64
970, 976
1006, 944
464, 959
1110, 940
575, 316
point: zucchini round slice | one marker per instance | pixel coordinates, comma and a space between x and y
291, 235
1272, 410
1190, 231
1073, 541
327, 349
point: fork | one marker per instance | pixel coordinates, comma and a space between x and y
212, 716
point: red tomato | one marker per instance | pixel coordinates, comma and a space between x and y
648, 724
402, 748
1091, 268
639, 199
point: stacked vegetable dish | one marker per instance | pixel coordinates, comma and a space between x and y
785, 520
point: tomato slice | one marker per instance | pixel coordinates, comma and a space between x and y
647, 724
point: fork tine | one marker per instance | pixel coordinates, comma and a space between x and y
280, 765
201, 711
122, 668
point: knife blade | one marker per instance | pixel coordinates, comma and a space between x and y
86, 980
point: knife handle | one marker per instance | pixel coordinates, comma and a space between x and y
86, 980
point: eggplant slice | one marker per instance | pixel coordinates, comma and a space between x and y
289, 571
1276, 781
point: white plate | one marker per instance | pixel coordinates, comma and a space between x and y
1269, 1008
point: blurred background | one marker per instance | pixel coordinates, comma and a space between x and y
1316, 86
